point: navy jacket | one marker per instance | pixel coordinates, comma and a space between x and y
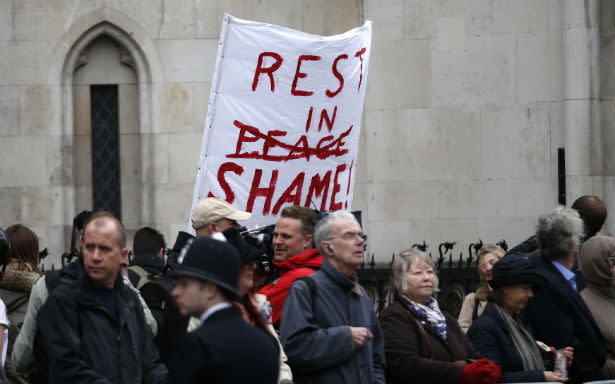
226, 349
316, 335
490, 337
560, 318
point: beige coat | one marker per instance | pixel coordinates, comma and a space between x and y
465, 315
603, 309
599, 295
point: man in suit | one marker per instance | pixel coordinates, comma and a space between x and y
557, 313
225, 348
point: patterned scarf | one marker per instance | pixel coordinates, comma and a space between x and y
523, 341
431, 313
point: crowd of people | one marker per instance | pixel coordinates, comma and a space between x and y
213, 308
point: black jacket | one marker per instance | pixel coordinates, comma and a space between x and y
226, 349
416, 357
490, 337
560, 318
84, 343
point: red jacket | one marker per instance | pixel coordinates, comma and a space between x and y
291, 269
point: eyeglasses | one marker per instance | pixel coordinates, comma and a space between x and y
351, 236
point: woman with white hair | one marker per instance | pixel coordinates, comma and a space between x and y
423, 344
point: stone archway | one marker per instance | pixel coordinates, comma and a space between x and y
138, 51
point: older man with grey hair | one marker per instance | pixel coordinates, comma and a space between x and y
329, 329
557, 313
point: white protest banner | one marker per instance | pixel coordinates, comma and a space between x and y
284, 119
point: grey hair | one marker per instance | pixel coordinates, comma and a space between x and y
401, 265
323, 227
558, 233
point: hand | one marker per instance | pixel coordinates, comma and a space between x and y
360, 336
554, 377
568, 352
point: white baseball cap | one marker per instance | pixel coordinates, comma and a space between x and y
214, 209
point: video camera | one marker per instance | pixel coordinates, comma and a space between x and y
262, 238
78, 224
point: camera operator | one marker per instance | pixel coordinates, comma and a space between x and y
213, 215
294, 255
210, 216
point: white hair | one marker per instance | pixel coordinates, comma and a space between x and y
559, 232
323, 227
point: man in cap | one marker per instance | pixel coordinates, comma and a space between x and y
213, 215
225, 348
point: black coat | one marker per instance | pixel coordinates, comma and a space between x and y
560, 318
84, 343
226, 349
490, 337
411, 359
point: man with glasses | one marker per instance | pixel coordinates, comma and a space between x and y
329, 329
213, 215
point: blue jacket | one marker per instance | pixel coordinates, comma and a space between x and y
316, 335
490, 337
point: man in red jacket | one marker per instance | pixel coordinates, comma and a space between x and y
295, 255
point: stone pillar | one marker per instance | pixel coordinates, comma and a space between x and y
582, 109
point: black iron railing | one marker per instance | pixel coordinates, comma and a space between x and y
457, 275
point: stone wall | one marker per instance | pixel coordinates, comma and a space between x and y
467, 103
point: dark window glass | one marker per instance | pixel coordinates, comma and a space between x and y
105, 148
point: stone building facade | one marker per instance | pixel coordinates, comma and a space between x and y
467, 104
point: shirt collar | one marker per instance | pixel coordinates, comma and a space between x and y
213, 309
567, 273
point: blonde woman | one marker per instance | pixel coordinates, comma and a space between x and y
475, 302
